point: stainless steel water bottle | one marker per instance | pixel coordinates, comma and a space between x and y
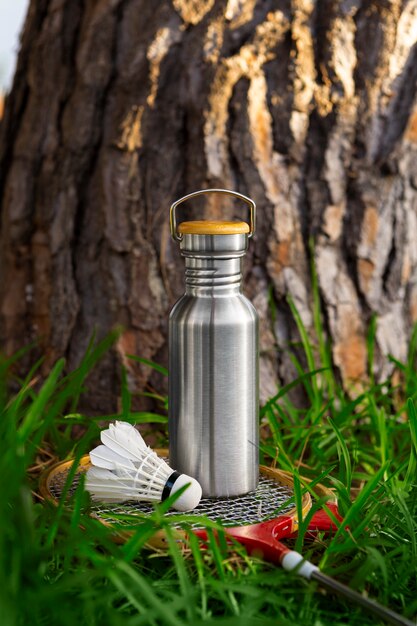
213, 358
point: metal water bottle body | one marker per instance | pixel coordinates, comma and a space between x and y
213, 369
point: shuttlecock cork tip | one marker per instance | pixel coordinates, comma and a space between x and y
188, 500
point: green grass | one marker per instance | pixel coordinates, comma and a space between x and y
58, 566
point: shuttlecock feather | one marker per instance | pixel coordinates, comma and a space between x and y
125, 468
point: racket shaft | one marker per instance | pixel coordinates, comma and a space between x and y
333, 585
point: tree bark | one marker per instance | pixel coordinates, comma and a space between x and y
119, 107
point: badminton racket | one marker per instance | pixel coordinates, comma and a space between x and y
259, 520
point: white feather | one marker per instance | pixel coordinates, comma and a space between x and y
102, 456
125, 468
124, 439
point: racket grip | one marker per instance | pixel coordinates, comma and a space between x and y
391, 617
294, 560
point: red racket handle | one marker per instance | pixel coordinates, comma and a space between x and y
263, 539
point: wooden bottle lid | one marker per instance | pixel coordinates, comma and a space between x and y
213, 227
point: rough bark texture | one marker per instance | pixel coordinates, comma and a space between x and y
118, 107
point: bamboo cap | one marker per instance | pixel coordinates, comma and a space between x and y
213, 227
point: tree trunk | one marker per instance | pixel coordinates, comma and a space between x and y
119, 107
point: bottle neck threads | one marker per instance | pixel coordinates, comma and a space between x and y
213, 264
213, 276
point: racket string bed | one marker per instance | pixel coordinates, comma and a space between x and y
269, 500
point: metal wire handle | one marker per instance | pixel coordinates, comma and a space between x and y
249, 201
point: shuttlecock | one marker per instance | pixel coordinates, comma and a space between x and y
125, 468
